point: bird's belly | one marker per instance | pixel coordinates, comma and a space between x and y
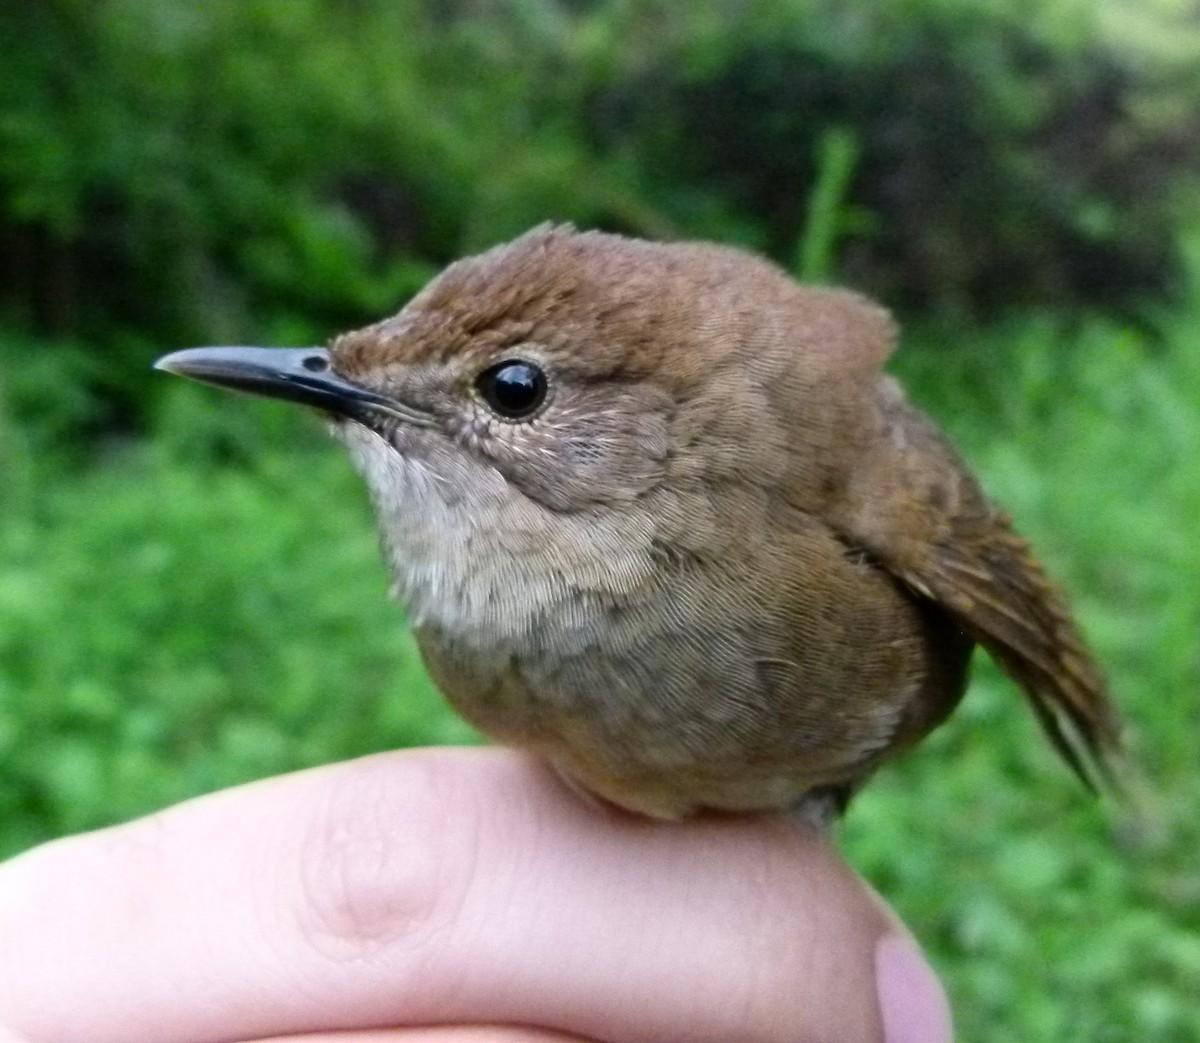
669, 721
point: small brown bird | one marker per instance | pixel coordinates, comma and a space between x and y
656, 515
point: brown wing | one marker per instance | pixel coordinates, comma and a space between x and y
915, 506
988, 577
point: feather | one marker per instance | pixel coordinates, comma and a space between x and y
919, 511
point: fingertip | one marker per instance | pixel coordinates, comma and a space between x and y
912, 1003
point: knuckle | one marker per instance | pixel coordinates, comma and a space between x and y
386, 859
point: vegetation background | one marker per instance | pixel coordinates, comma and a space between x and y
190, 595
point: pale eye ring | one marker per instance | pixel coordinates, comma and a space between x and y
513, 389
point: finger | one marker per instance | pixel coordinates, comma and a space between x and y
454, 1034
435, 887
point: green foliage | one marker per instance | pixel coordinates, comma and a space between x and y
1048, 923
828, 216
1009, 150
176, 621
199, 172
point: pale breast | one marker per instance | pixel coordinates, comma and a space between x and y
474, 559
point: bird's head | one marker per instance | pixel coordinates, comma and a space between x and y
547, 389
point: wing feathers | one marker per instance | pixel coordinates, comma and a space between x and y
987, 576
914, 505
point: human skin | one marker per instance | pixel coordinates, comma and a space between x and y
448, 896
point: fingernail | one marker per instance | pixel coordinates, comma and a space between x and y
912, 1004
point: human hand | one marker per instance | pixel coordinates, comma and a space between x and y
448, 896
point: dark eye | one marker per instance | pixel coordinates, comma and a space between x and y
513, 388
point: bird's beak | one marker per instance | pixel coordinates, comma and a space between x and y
302, 375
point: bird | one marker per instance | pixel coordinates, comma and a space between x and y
657, 515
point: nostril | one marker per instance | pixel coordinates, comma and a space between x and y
315, 363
